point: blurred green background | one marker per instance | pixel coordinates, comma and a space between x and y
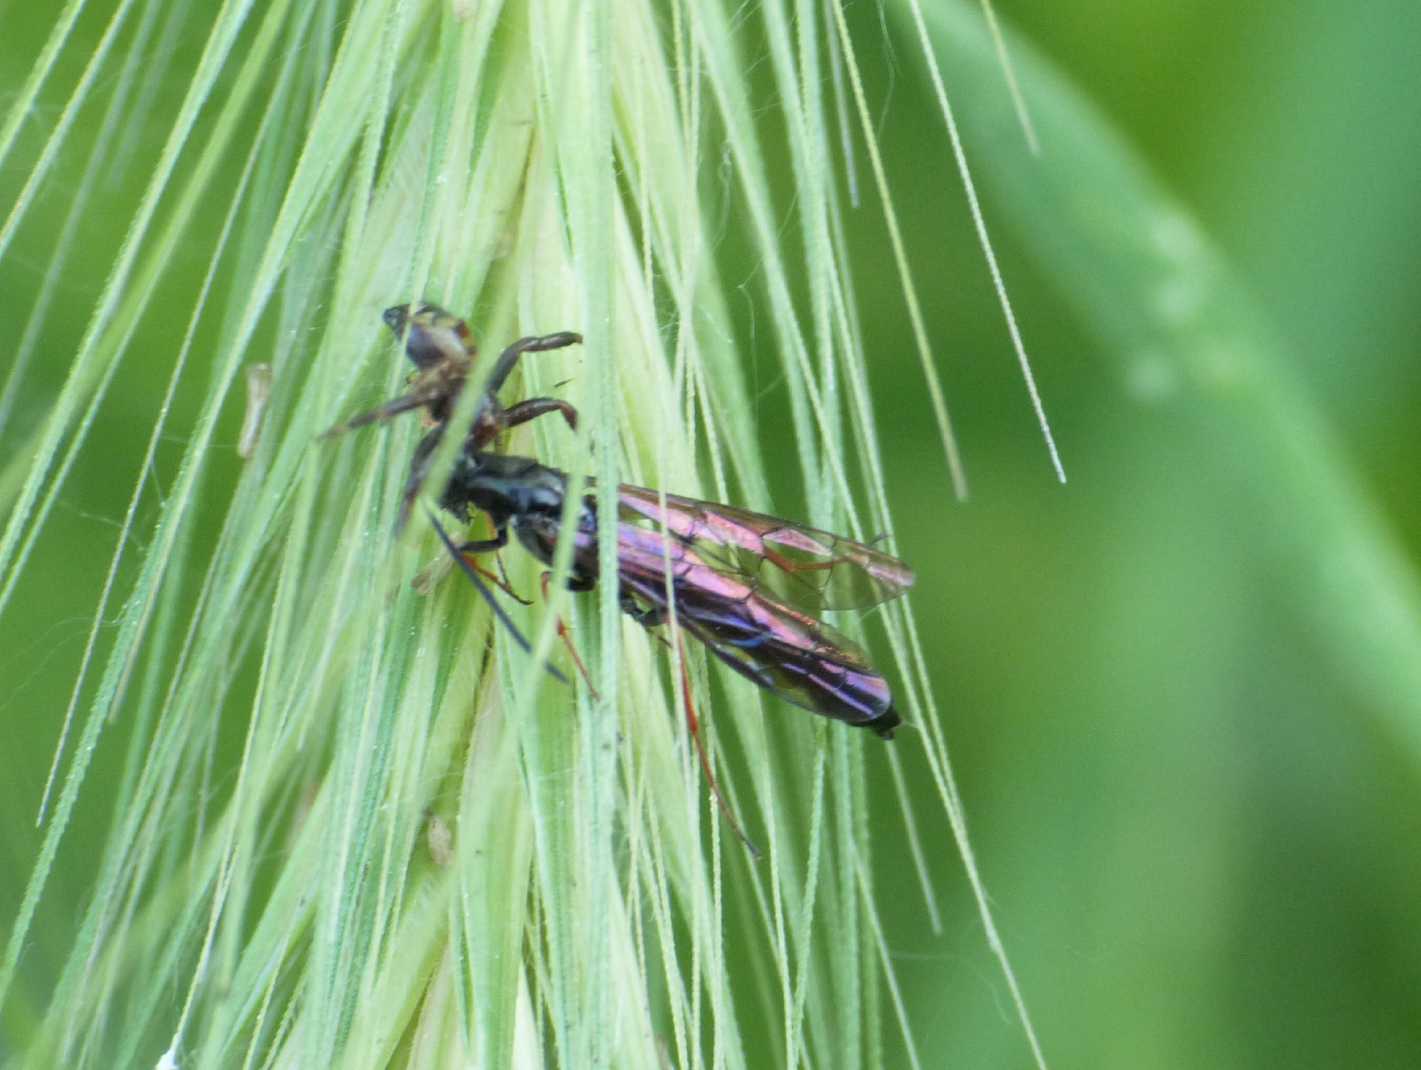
1180, 691
1185, 739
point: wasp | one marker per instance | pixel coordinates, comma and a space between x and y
749, 586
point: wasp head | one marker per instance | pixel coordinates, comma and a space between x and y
432, 336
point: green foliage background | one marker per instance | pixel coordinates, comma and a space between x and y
1183, 691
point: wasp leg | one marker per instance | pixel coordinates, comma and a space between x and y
419, 469
506, 585
532, 408
414, 400
435, 570
531, 344
574, 583
693, 725
487, 595
493, 420
486, 546
492, 546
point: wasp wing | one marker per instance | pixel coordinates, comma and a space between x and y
771, 643
804, 567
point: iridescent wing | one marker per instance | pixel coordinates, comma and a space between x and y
802, 566
771, 643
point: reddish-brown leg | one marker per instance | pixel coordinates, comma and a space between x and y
500, 580
566, 637
693, 724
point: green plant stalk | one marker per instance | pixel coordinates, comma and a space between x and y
305, 715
